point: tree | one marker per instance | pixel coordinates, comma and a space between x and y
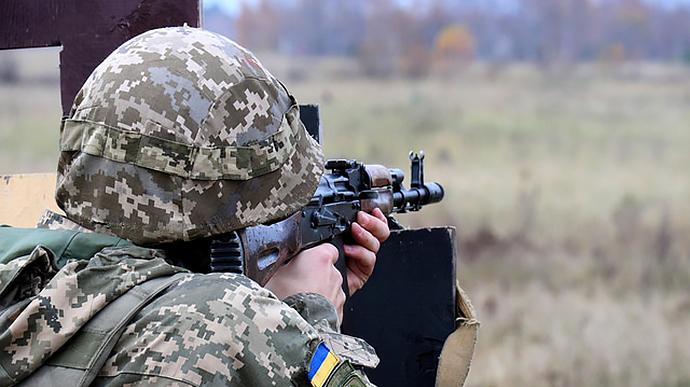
455, 42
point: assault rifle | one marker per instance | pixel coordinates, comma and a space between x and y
349, 187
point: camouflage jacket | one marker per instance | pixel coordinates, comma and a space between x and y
215, 329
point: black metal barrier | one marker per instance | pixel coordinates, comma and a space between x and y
407, 308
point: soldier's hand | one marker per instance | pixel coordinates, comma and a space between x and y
311, 271
368, 232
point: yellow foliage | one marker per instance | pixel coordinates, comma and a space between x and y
454, 42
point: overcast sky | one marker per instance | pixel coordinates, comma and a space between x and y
233, 6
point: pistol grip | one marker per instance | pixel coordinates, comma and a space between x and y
341, 263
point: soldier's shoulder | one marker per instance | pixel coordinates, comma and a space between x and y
215, 329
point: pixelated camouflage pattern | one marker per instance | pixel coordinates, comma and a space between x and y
180, 134
216, 329
54, 221
37, 320
321, 314
29, 274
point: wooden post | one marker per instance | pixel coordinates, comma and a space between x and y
87, 30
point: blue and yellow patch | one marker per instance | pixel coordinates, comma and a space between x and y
322, 365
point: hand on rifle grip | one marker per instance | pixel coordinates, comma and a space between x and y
311, 271
368, 233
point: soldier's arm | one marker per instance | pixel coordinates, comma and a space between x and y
314, 271
353, 354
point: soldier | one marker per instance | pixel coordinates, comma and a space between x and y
178, 136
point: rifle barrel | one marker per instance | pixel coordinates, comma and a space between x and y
414, 198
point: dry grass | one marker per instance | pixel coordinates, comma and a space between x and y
570, 191
30, 112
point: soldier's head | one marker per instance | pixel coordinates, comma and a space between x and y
182, 134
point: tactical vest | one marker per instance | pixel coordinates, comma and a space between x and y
78, 362
64, 244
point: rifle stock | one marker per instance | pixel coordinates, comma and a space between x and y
267, 247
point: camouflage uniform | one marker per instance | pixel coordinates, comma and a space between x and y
177, 135
214, 329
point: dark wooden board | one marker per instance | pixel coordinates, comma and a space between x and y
309, 115
407, 308
87, 30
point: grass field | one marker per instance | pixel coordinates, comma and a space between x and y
572, 196
570, 189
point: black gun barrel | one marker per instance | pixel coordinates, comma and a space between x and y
414, 198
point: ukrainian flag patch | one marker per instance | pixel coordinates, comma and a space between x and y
322, 365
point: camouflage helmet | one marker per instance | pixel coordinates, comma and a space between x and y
180, 134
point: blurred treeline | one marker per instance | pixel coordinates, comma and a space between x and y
415, 37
